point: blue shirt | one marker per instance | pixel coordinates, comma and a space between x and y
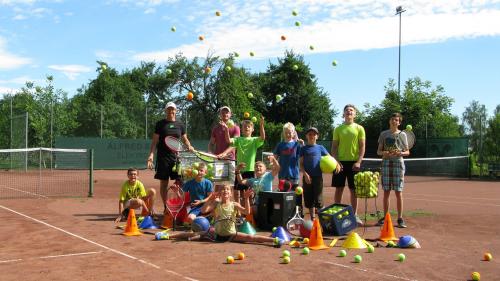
198, 190
288, 153
312, 156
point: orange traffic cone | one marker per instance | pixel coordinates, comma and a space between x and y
131, 229
387, 232
316, 237
168, 220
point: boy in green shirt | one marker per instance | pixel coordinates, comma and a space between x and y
133, 195
348, 147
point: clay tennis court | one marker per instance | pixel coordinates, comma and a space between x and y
455, 221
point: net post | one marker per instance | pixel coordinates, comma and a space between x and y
91, 172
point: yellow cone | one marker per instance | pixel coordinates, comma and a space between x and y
354, 241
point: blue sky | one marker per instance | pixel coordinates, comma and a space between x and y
451, 43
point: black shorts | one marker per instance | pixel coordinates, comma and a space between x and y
313, 193
338, 180
244, 175
219, 238
125, 212
164, 168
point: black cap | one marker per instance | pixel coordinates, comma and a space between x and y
313, 129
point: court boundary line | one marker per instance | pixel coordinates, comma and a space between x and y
97, 244
53, 256
453, 202
451, 197
24, 191
369, 271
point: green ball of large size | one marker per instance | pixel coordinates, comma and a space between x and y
328, 164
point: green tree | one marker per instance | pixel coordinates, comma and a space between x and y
492, 137
475, 122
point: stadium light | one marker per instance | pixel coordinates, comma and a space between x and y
399, 11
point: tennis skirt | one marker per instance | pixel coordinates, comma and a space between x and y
393, 171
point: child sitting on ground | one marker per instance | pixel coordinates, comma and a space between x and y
224, 211
133, 195
200, 189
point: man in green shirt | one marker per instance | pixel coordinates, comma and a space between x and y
348, 147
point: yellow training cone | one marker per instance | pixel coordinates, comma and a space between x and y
354, 241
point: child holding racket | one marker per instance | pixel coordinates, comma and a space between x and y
200, 189
224, 211
133, 195
393, 146
246, 151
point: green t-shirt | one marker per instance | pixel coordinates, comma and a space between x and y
132, 191
348, 137
246, 150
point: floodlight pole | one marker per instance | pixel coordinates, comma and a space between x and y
399, 11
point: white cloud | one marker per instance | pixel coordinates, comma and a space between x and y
17, 80
332, 26
149, 11
8, 90
10, 61
72, 71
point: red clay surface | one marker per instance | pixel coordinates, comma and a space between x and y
76, 238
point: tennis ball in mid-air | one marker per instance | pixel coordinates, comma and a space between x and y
311, 47
208, 70
297, 23
252, 54
104, 67
299, 190
201, 37
409, 127
217, 13
254, 119
228, 68
295, 67
286, 259
334, 63
168, 71
230, 123
173, 29
475, 276
190, 96
250, 95
358, 259
295, 13
488, 257
279, 98
342, 253
246, 115
285, 253
274, 229
241, 256
306, 251
401, 257
230, 259
283, 37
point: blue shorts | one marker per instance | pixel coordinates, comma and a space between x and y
195, 211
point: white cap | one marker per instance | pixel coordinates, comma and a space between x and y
170, 104
225, 107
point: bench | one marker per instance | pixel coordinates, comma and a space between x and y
494, 169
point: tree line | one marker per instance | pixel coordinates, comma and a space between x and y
127, 104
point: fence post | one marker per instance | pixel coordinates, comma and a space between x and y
91, 173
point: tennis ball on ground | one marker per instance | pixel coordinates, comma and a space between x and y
358, 259
342, 253
286, 259
254, 119
241, 256
475, 276
299, 190
306, 251
371, 249
230, 259
334, 63
250, 95
173, 29
285, 253
488, 257
306, 240
295, 67
401, 257
409, 127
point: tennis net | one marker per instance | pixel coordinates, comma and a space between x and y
455, 166
45, 172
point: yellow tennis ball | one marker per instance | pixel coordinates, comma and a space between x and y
230, 259
299, 190
306, 240
286, 253
286, 259
476, 276
488, 257
254, 119
241, 256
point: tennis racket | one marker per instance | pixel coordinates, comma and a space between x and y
175, 201
405, 141
177, 146
294, 225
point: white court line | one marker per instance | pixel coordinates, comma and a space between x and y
23, 191
54, 256
446, 196
369, 271
97, 244
454, 202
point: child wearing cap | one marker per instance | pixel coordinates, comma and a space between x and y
312, 179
